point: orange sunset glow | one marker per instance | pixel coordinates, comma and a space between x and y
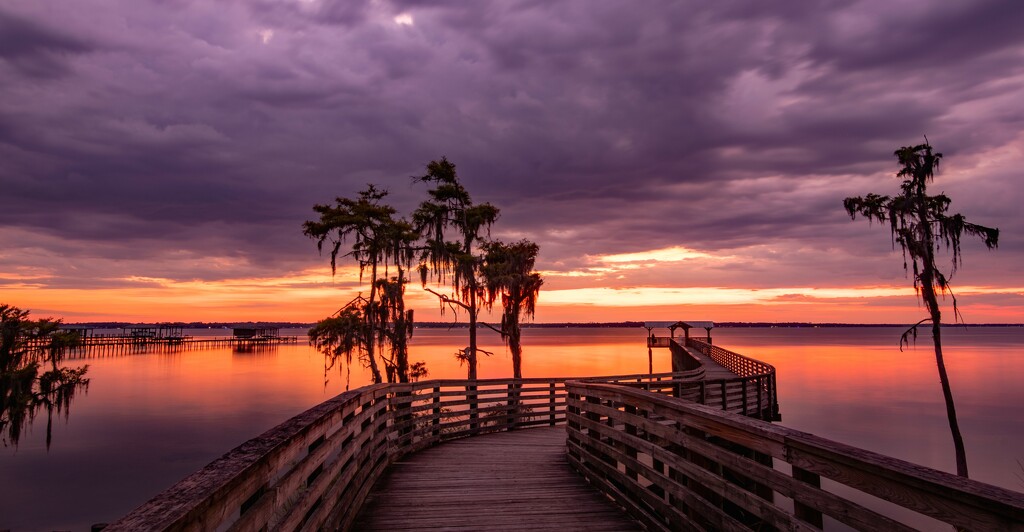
603, 291
511, 265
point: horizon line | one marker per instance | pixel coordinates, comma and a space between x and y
581, 324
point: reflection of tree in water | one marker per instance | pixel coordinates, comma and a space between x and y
31, 375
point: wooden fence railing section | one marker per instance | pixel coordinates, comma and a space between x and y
754, 391
314, 470
675, 465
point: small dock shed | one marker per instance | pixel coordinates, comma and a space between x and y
256, 333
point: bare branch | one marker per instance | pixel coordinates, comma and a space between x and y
493, 328
911, 333
447, 299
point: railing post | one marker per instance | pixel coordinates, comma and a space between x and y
474, 412
436, 433
760, 407
725, 399
774, 398
658, 466
703, 392
595, 436
631, 430
744, 382
801, 511
595, 417
405, 415
571, 411
551, 403
511, 404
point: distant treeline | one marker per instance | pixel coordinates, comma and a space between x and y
560, 325
191, 324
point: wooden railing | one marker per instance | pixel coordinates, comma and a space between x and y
675, 465
314, 470
311, 470
735, 362
754, 389
658, 341
655, 382
747, 396
682, 360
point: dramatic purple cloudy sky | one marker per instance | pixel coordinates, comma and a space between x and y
672, 159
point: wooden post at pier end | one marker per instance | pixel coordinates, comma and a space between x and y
650, 353
672, 326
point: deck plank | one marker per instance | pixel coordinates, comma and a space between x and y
506, 481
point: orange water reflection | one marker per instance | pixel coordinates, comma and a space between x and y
856, 386
151, 418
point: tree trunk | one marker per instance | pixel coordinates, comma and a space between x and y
402, 324
947, 394
471, 362
372, 322
471, 353
515, 345
928, 294
927, 254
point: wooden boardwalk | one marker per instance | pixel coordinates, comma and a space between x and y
326, 469
712, 370
505, 481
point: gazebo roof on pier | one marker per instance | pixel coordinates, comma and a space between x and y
689, 324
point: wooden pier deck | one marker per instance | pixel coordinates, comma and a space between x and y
517, 480
712, 370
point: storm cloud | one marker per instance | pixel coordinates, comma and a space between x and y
133, 129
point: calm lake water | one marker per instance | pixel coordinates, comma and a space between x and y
149, 419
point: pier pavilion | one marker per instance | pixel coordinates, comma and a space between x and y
686, 450
251, 332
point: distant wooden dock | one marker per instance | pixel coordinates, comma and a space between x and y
141, 339
210, 341
675, 451
121, 346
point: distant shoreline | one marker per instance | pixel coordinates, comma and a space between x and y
560, 325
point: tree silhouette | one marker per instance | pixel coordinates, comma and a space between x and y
31, 375
508, 274
453, 228
341, 335
378, 243
921, 226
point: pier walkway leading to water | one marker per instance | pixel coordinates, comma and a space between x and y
675, 451
517, 480
712, 369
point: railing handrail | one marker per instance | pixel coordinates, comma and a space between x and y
611, 425
408, 417
388, 420
690, 375
746, 368
337, 449
741, 365
230, 481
